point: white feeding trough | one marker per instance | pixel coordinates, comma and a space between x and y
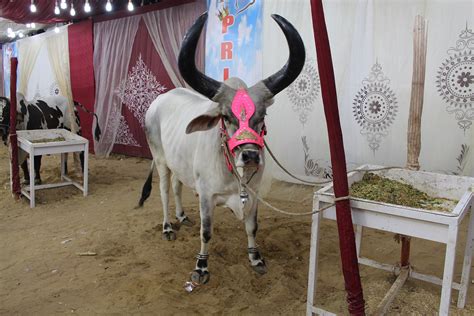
438, 226
48, 142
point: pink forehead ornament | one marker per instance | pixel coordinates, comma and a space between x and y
243, 108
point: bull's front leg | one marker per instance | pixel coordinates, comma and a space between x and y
201, 274
251, 226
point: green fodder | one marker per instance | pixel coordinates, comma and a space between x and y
376, 188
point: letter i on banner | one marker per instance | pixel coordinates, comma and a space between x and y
234, 40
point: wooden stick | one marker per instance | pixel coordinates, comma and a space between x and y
389, 297
417, 90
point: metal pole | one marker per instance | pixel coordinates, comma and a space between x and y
16, 190
350, 265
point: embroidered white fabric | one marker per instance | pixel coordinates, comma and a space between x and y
372, 46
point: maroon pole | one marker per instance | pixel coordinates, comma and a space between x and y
16, 190
350, 266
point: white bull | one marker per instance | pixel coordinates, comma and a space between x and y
186, 139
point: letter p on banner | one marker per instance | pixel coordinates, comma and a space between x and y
226, 22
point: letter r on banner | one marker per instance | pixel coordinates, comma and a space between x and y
226, 50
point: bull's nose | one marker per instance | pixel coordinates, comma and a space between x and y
249, 157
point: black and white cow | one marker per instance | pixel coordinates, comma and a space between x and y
40, 113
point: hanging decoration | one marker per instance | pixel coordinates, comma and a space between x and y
124, 136
54, 89
375, 107
314, 167
455, 79
139, 90
304, 91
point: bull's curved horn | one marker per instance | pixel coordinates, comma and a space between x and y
187, 66
286, 75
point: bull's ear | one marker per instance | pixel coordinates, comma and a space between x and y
205, 121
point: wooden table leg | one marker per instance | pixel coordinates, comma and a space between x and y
32, 179
448, 270
466, 267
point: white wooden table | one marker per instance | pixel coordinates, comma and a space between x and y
442, 227
45, 142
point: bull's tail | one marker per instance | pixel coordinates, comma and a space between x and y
146, 191
97, 131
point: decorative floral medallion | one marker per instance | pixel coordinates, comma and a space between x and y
304, 91
314, 167
54, 89
455, 79
375, 107
139, 90
124, 136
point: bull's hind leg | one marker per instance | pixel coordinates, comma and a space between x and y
177, 191
256, 260
201, 274
164, 173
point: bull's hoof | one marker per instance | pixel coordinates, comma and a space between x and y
200, 277
260, 268
38, 181
26, 182
186, 222
168, 235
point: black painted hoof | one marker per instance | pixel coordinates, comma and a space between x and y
38, 181
169, 235
187, 222
200, 277
260, 268
26, 182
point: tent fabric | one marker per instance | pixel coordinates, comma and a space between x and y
167, 29
146, 79
9, 50
126, 88
112, 50
28, 51
372, 50
37, 74
82, 73
57, 45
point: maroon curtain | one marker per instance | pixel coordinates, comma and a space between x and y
147, 78
81, 39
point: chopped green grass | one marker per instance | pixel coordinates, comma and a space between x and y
49, 140
376, 188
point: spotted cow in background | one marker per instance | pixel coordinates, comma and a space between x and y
40, 113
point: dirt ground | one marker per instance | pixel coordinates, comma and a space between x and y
136, 272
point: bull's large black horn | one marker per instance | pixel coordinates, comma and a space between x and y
286, 75
187, 66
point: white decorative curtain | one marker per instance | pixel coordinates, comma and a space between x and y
28, 50
57, 44
372, 51
113, 42
167, 29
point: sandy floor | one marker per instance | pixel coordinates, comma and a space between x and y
136, 272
